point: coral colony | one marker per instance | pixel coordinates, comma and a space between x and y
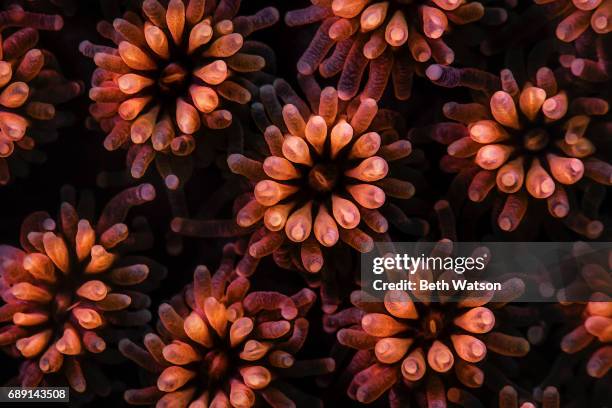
407, 348
294, 140
167, 73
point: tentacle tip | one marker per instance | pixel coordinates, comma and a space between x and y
147, 192
475, 196
330, 365
441, 205
434, 72
345, 95
172, 182
58, 23
305, 68
594, 229
577, 66
505, 224
123, 345
329, 309
176, 225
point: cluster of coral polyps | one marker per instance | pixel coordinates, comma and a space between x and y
31, 85
389, 37
71, 291
219, 344
170, 73
578, 16
530, 140
410, 341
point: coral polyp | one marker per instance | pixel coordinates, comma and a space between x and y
391, 38
31, 85
412, 341
578, 16
533, 140
220, 344
408, 344
326, 175
171, 75
70, 292
510, 398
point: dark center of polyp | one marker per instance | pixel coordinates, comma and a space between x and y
433, 325
173, 79
62, 302
535, 139
323, 177
216, 365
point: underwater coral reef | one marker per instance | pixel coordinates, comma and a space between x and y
191, 190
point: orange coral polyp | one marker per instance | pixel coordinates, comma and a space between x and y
218, 342
68, 293
579, 16
170, 73
327, 174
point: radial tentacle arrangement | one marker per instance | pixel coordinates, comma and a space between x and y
390, 38
407, 343
578, 16
72, 291
172, 73
220, 344
31, 85
533, 141
325, 176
